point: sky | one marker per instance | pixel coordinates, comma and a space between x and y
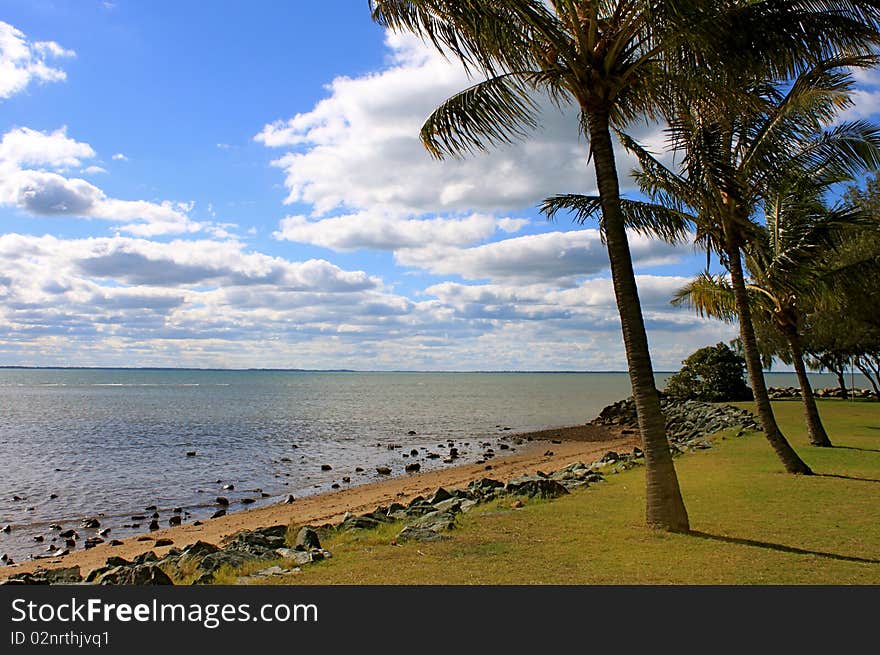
238, 185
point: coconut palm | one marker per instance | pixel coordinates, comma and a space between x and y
736, 147
609, 59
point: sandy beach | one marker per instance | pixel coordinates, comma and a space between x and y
578, 443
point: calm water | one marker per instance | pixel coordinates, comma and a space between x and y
111, 442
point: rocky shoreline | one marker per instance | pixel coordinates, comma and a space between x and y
784, 393
423, 518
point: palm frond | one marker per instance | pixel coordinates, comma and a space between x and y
649, 219
498, 110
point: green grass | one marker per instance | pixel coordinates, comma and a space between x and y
752, 523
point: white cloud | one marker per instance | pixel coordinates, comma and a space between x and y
558, 257
93, 170
119, 157
359, 149
23, 146
31, 167
383, 232
22, 61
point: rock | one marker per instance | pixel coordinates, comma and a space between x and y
104, 532
204, 578
638, 453
222, 500
190, 453
145, 574
53, 496
90, 523
163, 542
306, 539
218, 514
151, 508
247, 501
139, 517
91, 542
450, 505
228, 487
326, 467
412, 533
359, 523
155, 515
517, 504
383, 470
289, 499
436, 521
154, 524
345, 478
175, 520
116, 542
6, 528
38, 538
542, 487
412, 433
440, 495
358, 469
69, 534
413, 468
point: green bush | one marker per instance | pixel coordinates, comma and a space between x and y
712, 374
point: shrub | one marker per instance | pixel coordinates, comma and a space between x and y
711, 374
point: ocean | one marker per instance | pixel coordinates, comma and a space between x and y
108, 443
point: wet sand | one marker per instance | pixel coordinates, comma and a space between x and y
584, 443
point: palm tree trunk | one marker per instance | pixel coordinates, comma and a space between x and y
815, 429
664, 505
790, 459
841, 383
866, 369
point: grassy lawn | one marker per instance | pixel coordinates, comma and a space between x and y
753, 524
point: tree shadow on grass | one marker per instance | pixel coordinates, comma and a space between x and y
845, 477
864, 450
782, 548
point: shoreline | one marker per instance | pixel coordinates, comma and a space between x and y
567, 444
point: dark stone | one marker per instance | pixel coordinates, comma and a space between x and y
145, 558
440, 495
175, 520
190, 453
91, 542
383, 470
247, 501
151, 508
326, 467
306, 539
228, 487
289, 499
115, 542
218, 514
541, 487
413, 468
147, 574
67, 534
412, 433
39, 538
115, 560
222, 500
164, 542
359, 523
154, 524
412, 533
358, 469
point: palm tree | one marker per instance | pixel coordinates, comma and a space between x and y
736, 147
608, 58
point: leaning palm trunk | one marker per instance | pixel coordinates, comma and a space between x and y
790, 459
664, 505
815, 429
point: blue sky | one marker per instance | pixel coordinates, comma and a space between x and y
235, 184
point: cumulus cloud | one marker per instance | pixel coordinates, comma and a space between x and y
558, 257
23, 61
359, 148
119, 157
384, 232
32, 164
